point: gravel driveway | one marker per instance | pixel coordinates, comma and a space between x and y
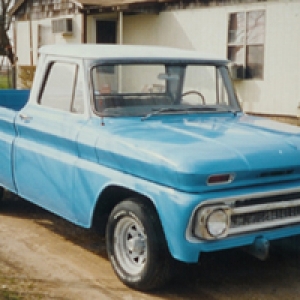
45, 257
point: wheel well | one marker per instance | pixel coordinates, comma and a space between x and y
107, 200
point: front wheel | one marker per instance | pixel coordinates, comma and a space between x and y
136, 245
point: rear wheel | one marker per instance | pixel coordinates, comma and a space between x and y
136, 245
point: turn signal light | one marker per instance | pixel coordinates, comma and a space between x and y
220, 179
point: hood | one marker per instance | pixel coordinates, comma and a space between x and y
183, 151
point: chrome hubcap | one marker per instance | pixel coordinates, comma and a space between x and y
130, 243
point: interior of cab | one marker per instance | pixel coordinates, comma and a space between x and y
137, 89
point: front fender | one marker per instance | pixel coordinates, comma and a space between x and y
174, 208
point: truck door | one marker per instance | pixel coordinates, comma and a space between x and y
45, 150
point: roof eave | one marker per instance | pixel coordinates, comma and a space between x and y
19, 3
155, 9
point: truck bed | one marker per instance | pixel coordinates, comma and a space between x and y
14, 99
11, 102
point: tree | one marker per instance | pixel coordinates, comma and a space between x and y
5, 22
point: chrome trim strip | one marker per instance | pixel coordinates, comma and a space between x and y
264, 225
262, 207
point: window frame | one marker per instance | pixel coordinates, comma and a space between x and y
73, 87
220, 69
241, 69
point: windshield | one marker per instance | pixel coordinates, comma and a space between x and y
147, 89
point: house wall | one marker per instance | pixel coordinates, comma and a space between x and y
205, 29
31, 35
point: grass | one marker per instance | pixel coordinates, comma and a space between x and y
4, 84
7, 295
16, 286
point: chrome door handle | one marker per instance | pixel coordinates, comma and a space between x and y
25, 118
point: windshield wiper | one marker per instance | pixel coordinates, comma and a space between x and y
178, 110
163, 110
188, 110
230, 110
211, 108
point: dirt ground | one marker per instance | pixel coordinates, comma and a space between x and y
45, 257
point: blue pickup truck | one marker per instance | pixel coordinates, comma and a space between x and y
150, 146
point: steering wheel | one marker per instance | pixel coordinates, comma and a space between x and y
194, 92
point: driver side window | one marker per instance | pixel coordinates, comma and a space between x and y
62, 90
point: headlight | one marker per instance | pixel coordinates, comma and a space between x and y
217, 223
212, 222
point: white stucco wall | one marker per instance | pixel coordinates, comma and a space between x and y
279, 91
187, 29
30, 35
205, 29
22, 42
22, 30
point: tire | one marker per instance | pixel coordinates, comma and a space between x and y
136, 245
1, 193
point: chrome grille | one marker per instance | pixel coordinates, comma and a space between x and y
263, 213
264, 216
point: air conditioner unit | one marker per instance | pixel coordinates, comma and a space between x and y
63, 26
237, 71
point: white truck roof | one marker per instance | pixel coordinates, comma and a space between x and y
127, 52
